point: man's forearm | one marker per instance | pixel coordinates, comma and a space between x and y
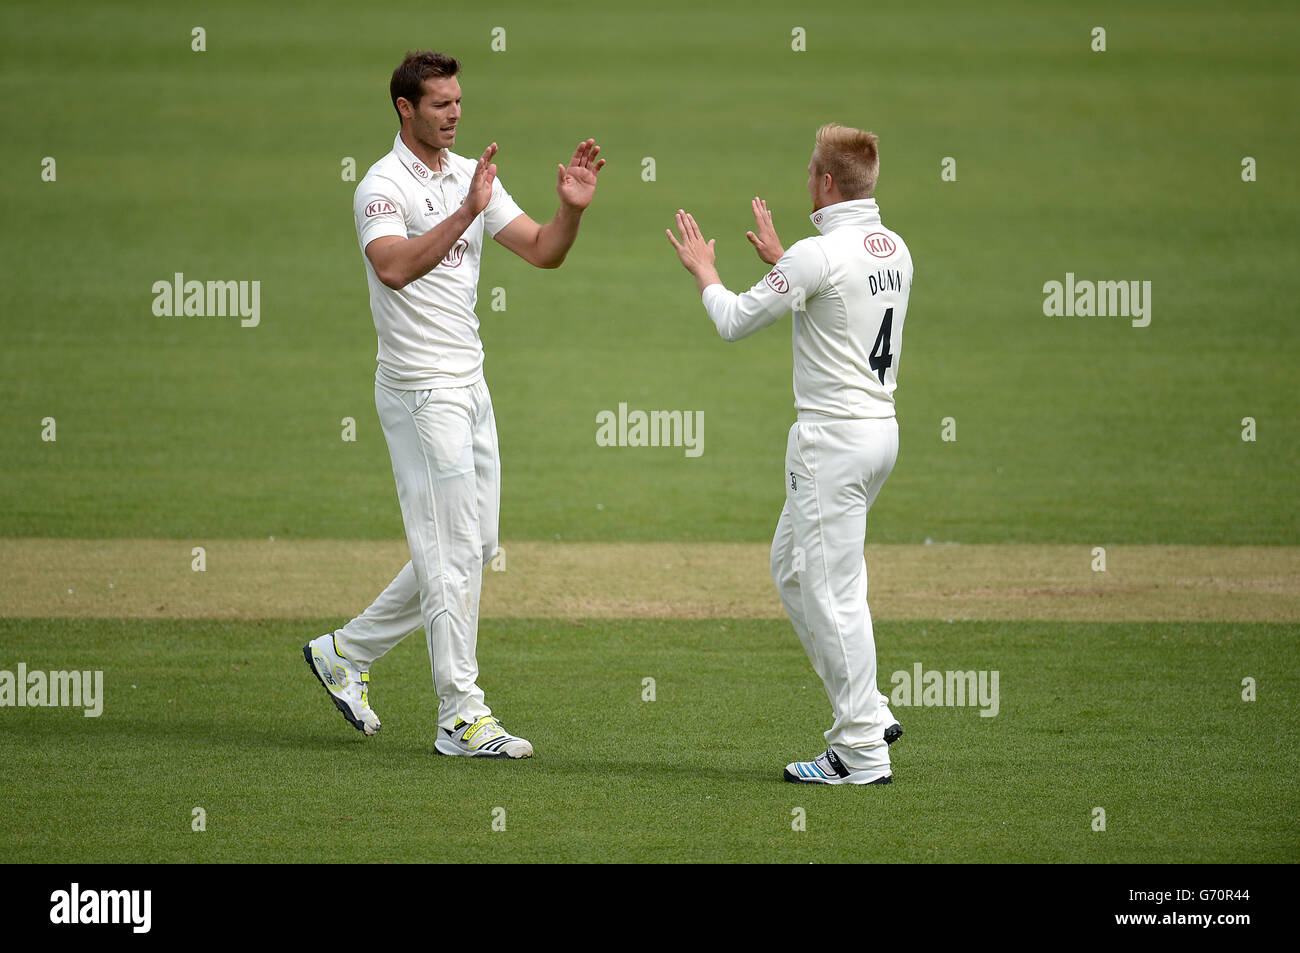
739, 315
705, 275
416, 257
556, 237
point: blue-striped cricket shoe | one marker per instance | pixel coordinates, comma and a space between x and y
827, 768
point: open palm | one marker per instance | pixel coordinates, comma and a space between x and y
576, 184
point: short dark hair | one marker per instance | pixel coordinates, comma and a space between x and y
419, 65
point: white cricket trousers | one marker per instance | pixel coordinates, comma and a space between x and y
834, 471
443, 444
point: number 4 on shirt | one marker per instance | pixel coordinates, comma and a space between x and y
881, 360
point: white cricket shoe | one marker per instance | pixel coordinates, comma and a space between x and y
348, 685
827, 768
484, 738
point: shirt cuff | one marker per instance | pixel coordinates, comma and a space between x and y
711, 294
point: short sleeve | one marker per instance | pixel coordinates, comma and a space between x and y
501, 209
377, 209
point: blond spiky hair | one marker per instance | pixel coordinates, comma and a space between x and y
850, 156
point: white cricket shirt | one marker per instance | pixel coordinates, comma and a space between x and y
428, 331
847, 289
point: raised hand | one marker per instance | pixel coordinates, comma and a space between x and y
576, 184
695, 253
480, 186
763, 238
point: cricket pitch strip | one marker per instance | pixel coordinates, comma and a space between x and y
159, 578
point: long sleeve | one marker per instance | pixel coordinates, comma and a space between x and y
800, 275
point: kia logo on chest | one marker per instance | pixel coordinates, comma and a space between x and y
380, 207
879, 245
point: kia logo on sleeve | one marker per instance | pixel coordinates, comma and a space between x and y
777, 281
379, 207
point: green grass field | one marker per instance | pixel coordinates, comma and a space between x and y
1144, 721
226, 164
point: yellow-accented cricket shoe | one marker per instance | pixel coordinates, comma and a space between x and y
349, 686
484, 738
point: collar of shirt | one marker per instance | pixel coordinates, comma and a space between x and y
417, 167
854, 212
